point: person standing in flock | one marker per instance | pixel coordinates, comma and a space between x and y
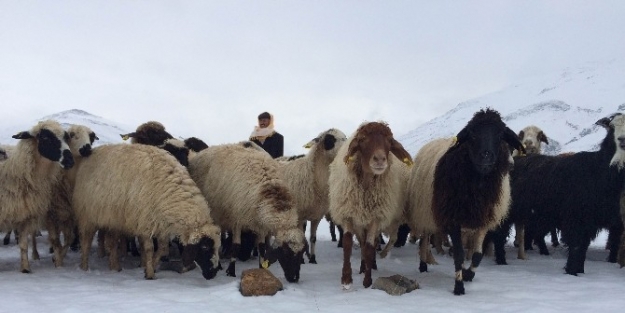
265, 136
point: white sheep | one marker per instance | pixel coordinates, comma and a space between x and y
142, 191
245, 192
28, 179
365, 191
307, 179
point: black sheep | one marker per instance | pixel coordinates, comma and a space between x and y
470, 188
579, 194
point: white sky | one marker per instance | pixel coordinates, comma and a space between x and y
208, 68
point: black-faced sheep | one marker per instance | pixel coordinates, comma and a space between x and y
463, 184
579, 194
28, 179
365, 193
246, 192
143, 191
60, 217
307, 179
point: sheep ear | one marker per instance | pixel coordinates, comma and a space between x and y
351, 150
605, 122
311, 143
23, 135
542, 137
513, 140
521, 135
128, 135
462, 136
398, 150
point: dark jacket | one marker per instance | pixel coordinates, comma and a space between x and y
274, 145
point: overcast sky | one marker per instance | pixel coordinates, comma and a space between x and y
208, 68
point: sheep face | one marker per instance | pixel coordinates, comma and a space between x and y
618, 123
204, 255
178, 149
532, 137
483, 137
81, 139
290, 260
331, 140
374, 141
3, 155
51, 142
150, 133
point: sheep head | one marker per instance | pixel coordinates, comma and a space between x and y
150, 133
288, 249
328, 143
201, 247
483, 137
374, 141
177, 148
617, 123
52, 142
532, 137
81, 139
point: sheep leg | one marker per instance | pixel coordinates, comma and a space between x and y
112, 245
55, 242
7, 238
424, 251
476, 258
23, 243
35, 253
101, 247
468, 240
499, 237
520, 235
162, 251
332, 231
346, 275
236, 245
341, 234
458, 250
621, 251
147, 249
554, 237
392, 239
313, 240
614, 241
86, 237
437, 241
371, 235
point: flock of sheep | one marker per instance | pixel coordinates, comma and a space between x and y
470, 188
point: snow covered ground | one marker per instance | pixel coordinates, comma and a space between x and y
537, 285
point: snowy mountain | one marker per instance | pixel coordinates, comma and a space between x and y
107, 131
564, 105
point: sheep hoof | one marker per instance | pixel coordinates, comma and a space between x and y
230, 270
26, 271
501, 262
346, 286
367, 282
423, 267
468, 275
458, 288
312, 259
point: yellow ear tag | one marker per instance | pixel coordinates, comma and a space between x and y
125, 137
454, 140
308, 145
265, 264
349, 159
407, 161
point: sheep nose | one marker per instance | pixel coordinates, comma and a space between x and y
487, 156
379, 159
621, 141
528, 143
